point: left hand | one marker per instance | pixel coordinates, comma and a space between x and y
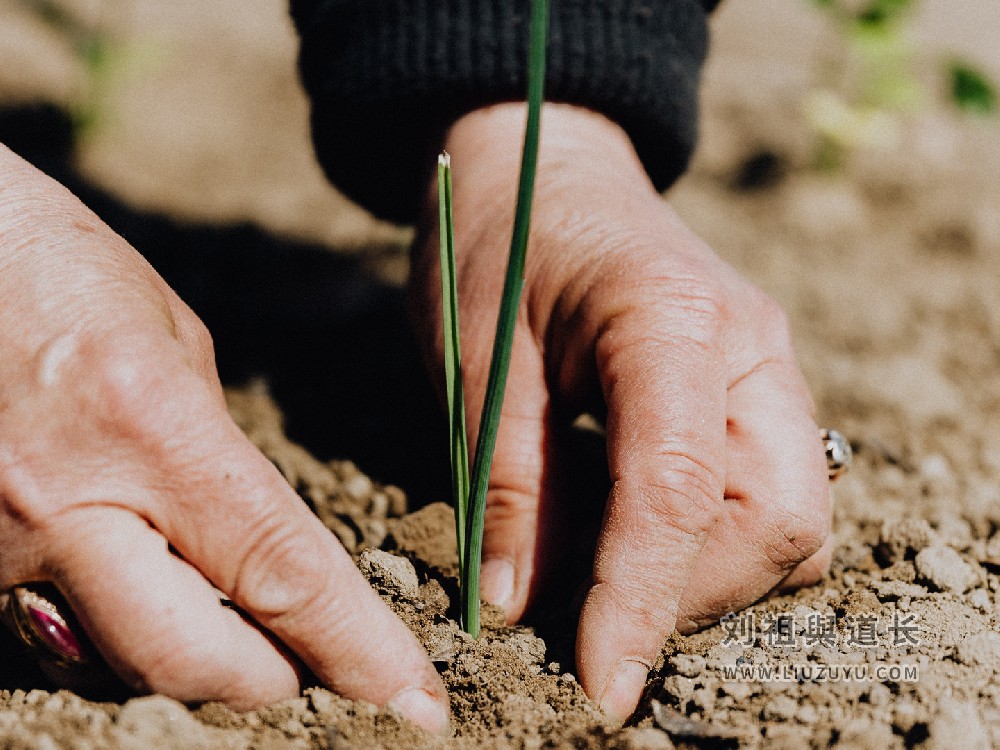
719, 481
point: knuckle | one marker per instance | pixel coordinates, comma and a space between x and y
693, 304
141, 388
124, 386
698, 298
776, 328
279, 576
685, 297
508, 504
639, 605
771, 313
510, 519
684, 492
195, 334
25, 506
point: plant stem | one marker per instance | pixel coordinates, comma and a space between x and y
503, 341
459, 442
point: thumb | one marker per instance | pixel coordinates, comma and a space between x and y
511, 527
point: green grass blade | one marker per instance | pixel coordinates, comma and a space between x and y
503, 342
459, 442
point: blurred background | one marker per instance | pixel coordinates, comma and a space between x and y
194, 108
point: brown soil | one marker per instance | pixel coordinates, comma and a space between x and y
888, 271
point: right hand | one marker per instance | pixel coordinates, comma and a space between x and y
124, 482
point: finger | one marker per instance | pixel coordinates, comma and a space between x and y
513, 556
253, 537
810, 571
777, 512
664, 382
156, 620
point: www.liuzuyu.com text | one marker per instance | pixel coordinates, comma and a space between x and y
811, 672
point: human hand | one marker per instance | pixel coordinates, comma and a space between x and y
124, 482
719, 480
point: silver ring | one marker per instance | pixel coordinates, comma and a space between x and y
838, 453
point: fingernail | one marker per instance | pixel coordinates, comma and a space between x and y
621, 694
422, 709
497, 581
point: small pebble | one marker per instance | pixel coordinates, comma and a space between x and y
954, 531
378, 505
787, 737
957, 724
899, 537
395, 573
980, 599
682, 688
945, 569
935, 467
879, 695
807, 714
44, 741
980, 649
905, 715
738, 690
688, 665
643, 738
527, 648
704, 699
780, 708
358, 486
161, 722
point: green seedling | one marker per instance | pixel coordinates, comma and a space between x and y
876, 80
455, 395
469, 488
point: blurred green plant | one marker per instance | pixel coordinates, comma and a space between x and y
971, 90
102, 56
878, 79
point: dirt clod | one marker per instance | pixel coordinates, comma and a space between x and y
980, 649
957, 724
945, 569
390, 572
156, 721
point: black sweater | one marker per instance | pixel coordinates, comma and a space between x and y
387, 77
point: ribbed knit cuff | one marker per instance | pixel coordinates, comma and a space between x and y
387, 78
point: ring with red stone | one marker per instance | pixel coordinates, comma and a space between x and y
41, 619
32, 614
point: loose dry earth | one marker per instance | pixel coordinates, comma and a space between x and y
888, 271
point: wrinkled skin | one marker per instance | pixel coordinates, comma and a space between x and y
124, 481
115, 442
719, 480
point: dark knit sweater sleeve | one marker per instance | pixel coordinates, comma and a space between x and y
387, 77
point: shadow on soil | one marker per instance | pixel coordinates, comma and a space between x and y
267, 301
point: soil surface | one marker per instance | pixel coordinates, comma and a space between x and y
197, 151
